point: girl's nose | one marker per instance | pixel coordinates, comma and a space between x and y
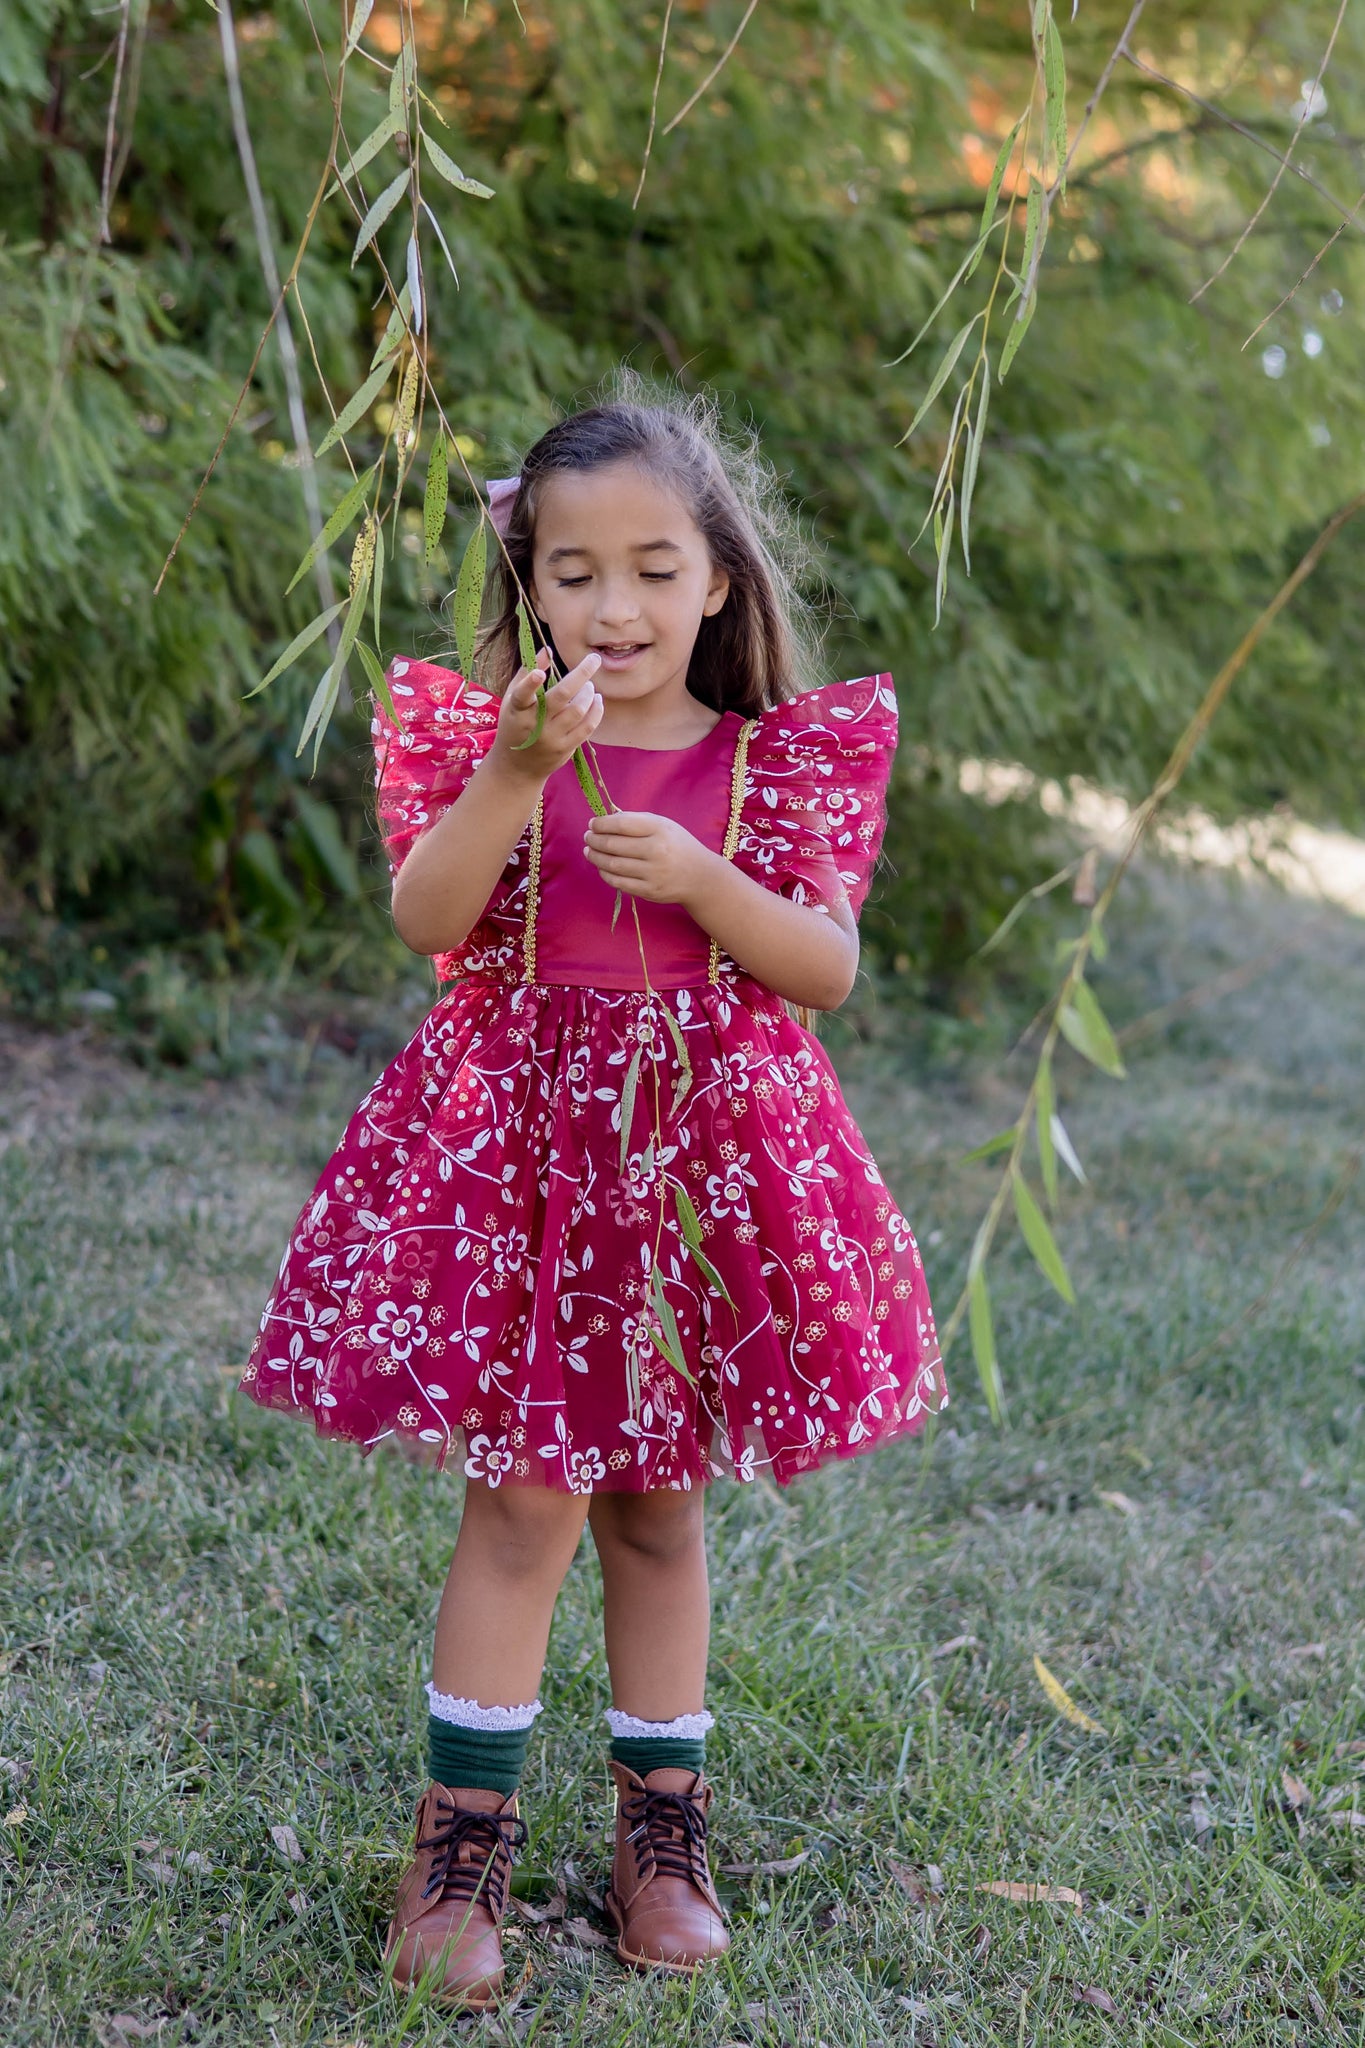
617, 605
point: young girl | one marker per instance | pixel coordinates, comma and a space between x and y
606, 1230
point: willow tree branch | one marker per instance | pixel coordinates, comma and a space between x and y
714, 73
1308, 101
270, 272
653, 106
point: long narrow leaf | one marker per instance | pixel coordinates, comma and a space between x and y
451, 172
972, 460
1045, 1109
414, 281
301, 641
402, 78
525, 639
336, 525
378, 584
942, 374
983, 1341
378, 681
1084, 1025
1018, 329
368, 150
437, 497
1054, 79
379, 213
1066, 1151
1039, 1239
944, 542
363, 10
396, 329
445, 246
992, 195
628, 1105
356, 406
1001, 1142
469, 597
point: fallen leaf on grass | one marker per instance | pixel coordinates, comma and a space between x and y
161, 1873
1340, 1795
298, 1903
957, 1643
771, 2018
15, 1771
1295, 1791
16, 1816
1349, 1749
579, 1932
1201, 1820
126, 2026
1062, 1700
781, 1866
921, 1889
829, 1916
1347, 1817
1307, 1650
287, 1842
1120, 1501
571, 1876
1033, 1894
980, 1939
1094, 1994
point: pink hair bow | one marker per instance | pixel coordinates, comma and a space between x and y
502, 492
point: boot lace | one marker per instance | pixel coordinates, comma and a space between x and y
490, 1838
674, 1827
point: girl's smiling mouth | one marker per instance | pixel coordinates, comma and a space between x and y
620, 653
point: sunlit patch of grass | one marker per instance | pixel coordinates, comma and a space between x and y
213, 1626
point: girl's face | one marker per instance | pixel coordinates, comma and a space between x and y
621, 569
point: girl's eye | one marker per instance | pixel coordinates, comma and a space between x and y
659, 575
571, 582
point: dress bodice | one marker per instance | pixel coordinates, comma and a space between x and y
795, 797
575, 943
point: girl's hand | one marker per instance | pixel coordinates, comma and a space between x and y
573, 710
647, 855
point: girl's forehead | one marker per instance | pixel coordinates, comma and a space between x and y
620, 504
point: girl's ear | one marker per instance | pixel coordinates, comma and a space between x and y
717, 592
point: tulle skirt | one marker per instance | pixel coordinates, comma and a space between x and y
476, 1269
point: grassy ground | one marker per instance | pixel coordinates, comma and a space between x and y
212, 1627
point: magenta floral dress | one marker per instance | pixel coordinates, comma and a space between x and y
477, 1270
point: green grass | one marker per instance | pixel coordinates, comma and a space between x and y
213, 1626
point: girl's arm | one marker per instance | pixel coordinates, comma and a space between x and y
809, 956
445, 884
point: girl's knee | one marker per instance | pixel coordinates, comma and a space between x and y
524, 1531
661, 1527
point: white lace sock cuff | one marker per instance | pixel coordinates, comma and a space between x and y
469, 1714
687, 1727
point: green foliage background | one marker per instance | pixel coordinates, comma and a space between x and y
1145, 484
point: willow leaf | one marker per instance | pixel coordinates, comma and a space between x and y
405, 412
1054, 81
628, 1105
469, 596
437, 497
944, 541
596, 803
451, 172
710, 1275
1066, 1151
395, 331
378, 583
368, 150
1045, 1109
321, 708
356, 406
688, 1220
1001, 1142
1033, 228
663, 1308
336, 525
1018, 330
414, 278
379, 213
402, 78
525, 640
971, 463
363, 10
942, 374
616, 909
983, 1341
445, 246
1084, 1025
378, 681
299, 643
1039, 1239
992, 195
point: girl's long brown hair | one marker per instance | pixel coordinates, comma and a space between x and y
757, 649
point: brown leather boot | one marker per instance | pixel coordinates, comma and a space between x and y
662, 1900
453, 1895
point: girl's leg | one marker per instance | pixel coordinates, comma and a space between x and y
656, 1598
514, 1547
658, 1627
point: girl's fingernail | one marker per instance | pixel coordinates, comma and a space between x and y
592, 662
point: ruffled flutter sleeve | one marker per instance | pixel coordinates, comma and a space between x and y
422, 763
813, 810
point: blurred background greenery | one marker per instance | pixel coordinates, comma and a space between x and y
1147, 481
